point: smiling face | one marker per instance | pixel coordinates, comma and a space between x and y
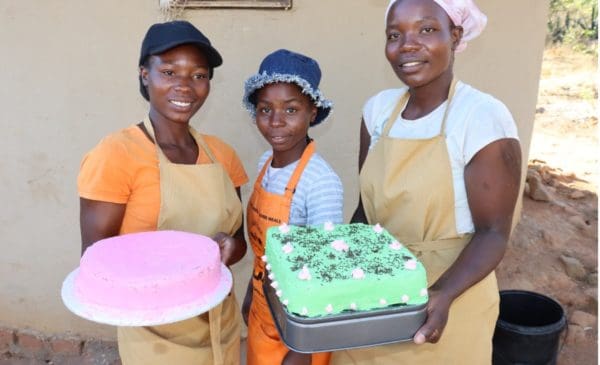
283, 116
177, 82
420, 42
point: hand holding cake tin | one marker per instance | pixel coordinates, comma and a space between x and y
147, 278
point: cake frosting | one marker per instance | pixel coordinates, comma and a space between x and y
148, 270
317, 271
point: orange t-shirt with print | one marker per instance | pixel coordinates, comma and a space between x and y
123, 169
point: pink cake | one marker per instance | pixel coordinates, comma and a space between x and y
149, 270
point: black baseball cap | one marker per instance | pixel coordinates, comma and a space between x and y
161, 37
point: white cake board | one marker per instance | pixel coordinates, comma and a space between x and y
135, 318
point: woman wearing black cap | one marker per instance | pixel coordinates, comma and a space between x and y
163, 175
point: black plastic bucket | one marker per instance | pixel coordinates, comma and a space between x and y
528, 329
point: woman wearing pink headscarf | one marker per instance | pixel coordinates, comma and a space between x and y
440, 167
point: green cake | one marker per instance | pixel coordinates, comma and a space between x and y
319, 271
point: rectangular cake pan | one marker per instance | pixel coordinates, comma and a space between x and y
345, 330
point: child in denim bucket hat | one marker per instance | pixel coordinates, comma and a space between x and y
295, 185
289, 67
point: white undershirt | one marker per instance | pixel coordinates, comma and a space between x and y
475, 120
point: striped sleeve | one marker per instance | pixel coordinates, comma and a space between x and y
325, 196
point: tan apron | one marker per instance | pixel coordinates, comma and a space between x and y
199, 199
406, 185
265, 210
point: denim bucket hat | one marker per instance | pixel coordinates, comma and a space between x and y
290, 67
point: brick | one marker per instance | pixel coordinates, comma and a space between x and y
26, 362
31, 345
65, 360
7, 339
66, 346
96, 352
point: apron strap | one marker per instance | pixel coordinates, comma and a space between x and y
214, 315
200, 141
448, 105
214, 322
290, 188
197, 137
437, 256
438, 245
400, 105
261, 174
403, 101
149, 129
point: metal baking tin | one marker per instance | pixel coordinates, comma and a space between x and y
345, 330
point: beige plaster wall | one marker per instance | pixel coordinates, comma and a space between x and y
69, 78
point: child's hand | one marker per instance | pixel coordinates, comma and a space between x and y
296, 358
226, 246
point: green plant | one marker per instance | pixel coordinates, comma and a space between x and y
573, 22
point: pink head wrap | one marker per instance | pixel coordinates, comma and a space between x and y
463, 13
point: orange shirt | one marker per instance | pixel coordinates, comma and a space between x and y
123, 169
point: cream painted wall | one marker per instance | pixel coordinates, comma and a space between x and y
69, 78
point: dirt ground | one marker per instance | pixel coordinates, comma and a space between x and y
554, 248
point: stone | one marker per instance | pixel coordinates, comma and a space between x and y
577, 194
583, 319
592, 300
592, 292
548, 238
578, 221
545, 174
7, 339
573, 267
570, 210
576, 335
537, 190
592, 279
533, 171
